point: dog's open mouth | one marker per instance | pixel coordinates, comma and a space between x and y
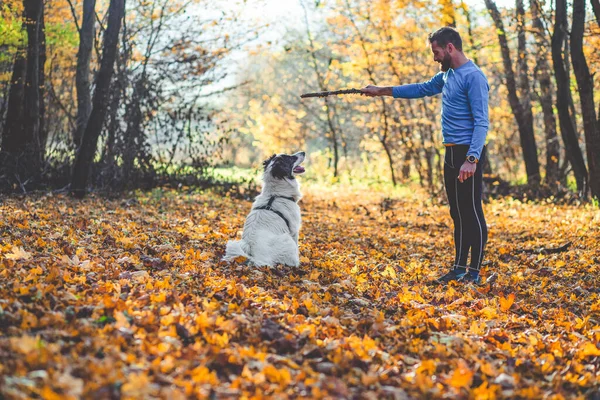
299, 169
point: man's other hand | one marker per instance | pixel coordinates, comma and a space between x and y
467, 170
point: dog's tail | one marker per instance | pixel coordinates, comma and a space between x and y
234, 250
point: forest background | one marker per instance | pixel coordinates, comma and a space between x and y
198, 85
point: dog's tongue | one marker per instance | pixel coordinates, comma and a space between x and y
298, 169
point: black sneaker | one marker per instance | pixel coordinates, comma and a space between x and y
454, 274
470, 277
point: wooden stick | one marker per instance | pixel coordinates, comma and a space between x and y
332, 93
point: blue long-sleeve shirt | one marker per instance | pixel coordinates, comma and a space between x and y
464, 104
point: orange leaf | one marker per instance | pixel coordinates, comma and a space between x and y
588, 349
461, 377
49, 394
506, 303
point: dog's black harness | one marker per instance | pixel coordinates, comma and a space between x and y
270, 208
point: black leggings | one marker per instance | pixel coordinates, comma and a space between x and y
470, 229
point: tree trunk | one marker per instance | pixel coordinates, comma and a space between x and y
524, 87
82, 76
406, 163
117, 92
23, 137
585, 86
12, 139
523, 117
89, 142
43, 133
544, 78
390, 159
133, 133
109, 151
596, 8
566, 119
34, 10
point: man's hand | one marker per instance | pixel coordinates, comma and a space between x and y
467, 170
372, 91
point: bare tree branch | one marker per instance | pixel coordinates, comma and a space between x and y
74, 15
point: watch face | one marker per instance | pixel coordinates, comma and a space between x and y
471, 159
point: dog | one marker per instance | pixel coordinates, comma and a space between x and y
271, 229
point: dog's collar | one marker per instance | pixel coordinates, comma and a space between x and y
269, 207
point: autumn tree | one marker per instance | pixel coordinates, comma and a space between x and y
383, 132
156, 113
13, 125
87, 150
585, 84
159, 119
521, 108
23, 141
330, 106
61, 88
82, 83
12, 39
543, 76
567, 123
388, 54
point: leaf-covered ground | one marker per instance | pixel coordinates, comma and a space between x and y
129, 299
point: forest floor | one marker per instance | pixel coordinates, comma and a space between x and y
128, 298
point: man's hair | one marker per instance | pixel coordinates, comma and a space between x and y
446, 35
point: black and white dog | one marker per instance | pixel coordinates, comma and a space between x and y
271, 229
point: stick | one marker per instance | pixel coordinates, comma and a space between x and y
335, 92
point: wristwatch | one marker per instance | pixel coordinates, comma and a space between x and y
472, 159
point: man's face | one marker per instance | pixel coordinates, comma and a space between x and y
441, 55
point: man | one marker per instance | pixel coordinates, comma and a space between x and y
465, 123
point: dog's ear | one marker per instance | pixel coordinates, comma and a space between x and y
268, 161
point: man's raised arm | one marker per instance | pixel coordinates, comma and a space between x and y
411, 91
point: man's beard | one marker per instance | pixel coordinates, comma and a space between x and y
445, 64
